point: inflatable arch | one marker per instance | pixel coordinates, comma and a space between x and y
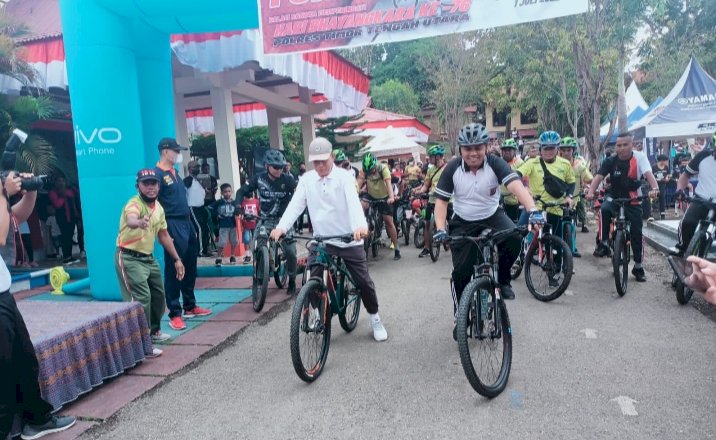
119, 64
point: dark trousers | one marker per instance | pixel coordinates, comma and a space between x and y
464, 254
201, 226
633, 214
29, 255
662, 198
187, 245
288, 243
67, 230
696, 211
513, 212
19, 387
357, 265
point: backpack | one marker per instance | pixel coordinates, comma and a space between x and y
554, 186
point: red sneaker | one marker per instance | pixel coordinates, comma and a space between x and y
177, 323
196, 311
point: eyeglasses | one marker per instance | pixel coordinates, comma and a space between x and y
276, 168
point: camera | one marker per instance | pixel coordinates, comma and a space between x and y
9, 157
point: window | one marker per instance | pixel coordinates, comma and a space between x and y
529, 116
499, 118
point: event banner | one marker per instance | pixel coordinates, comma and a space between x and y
309, 25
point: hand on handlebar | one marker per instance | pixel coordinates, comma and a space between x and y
360, 233
277, 233
653, 193
440, 236
536, 218
589, 196
680, 194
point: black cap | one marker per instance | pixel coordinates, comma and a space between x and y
147, 174
171, 144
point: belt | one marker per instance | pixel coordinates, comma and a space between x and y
133, 253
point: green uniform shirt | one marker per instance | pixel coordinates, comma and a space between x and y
140, 240
507, 196
560, 168
375, 182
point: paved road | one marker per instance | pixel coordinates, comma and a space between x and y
649, 353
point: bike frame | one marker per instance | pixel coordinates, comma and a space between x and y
332, 267
567, 217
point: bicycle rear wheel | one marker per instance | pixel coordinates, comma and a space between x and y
350, 304
377, 233
310, 331
546, 280
620, 262
484, 338
280, 274
260, 277
699, 246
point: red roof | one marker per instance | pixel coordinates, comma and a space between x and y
42, 17
374, 118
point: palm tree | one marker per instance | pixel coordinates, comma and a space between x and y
36, 155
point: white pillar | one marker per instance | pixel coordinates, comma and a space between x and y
274, 128
182, 132
225, 133
308, 128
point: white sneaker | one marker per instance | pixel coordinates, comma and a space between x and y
313, 318
379, 332
155, 353
160, 337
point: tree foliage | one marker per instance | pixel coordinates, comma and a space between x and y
395, 96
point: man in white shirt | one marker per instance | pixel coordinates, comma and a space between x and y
330, 195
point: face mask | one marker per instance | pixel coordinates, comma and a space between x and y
147, 199
180, 159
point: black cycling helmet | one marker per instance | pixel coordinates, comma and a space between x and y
274, 157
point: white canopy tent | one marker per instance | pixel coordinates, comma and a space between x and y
393, 142
688, 110
635, 105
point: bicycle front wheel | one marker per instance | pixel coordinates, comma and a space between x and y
310, 331
418, 238
280, 274
350, 304
406, 231
484, 338
620, 262
568, 236
699, 246
547, 277
434, 247
260, 277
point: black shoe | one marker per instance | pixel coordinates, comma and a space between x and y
217, 262
585, 228
232, 260
397, 255
291, 290
639, 274
576, 254
55, 424
424, 253
662, 216
553, 281
601, 251
507, 292
454, 333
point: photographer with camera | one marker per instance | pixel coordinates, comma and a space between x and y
19, 368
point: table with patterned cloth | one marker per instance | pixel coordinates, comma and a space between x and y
80, 344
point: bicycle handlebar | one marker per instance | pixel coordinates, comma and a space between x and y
489, 235
345, 238
622, 200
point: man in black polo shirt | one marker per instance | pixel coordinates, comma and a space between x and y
275, 189
172, 197
473, 181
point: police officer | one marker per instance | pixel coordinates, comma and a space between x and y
172, 197
275, 189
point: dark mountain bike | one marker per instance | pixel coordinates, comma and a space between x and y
269, 260
699, 246
484, 334
332, 293
375, 229
620, 242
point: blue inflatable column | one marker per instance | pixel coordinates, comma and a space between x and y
104, 92
156, 94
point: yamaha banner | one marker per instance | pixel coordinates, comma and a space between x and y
310, 25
